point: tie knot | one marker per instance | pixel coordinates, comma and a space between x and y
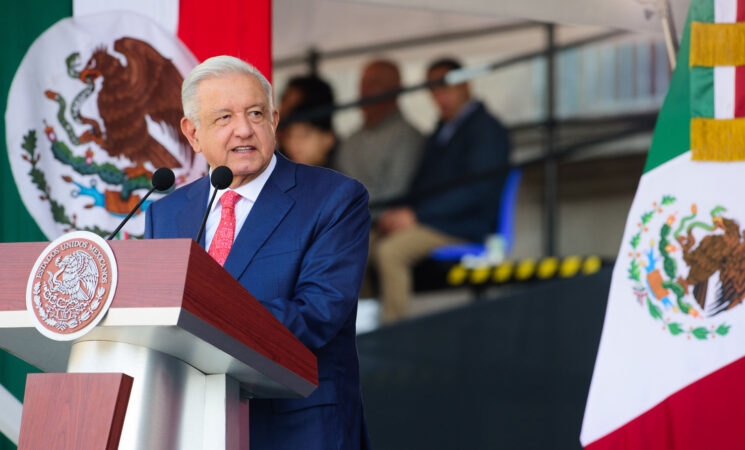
229, 199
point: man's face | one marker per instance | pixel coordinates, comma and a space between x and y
449, 99
377, 79
307, 144
236, 126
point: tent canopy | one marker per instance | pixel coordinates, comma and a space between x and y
328, 25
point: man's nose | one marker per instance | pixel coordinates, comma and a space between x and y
244, 127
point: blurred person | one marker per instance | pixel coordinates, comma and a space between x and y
467, 140
301, 90
383, 154
309, 140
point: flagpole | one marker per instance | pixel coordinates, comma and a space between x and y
10, 415
668, 29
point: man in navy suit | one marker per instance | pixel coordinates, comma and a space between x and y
300, 238
467, 141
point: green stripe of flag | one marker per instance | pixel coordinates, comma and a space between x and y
702, 11
672, 133
702, 92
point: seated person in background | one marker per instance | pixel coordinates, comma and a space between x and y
309, 140
304, 89
467, 140
384, 153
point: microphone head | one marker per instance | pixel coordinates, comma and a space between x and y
221, 177
163, 179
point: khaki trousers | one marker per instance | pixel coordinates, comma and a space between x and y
394, 256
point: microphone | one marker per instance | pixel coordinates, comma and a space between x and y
162, 180
220, 179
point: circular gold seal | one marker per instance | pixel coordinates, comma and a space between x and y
71, 285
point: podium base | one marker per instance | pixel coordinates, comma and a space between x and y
81, 410
172, 405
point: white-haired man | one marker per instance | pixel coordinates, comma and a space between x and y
295, 236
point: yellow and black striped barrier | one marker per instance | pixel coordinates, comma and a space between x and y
524, 270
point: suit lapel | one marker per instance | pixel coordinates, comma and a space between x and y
190, 218
270, 208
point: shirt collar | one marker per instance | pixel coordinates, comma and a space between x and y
448, 129
250, 190
465, 110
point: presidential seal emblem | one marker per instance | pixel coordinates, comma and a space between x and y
687, 268
71, 285
93, 111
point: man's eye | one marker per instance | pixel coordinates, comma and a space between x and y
255, 114
223, 118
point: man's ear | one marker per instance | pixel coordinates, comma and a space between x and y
190, 131
275, 119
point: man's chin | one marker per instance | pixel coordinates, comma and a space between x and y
243, 175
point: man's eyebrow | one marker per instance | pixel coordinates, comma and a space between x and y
257, 105
220, 111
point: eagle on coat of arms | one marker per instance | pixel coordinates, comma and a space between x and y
707, 247
95, 110
148, 85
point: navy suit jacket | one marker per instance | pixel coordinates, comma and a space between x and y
479, 144
302, 253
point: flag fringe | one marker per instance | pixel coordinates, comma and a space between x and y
717, 139
717, 44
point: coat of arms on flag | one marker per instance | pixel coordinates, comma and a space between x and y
93, 110
672, 338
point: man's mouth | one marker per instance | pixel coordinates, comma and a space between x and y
244, 149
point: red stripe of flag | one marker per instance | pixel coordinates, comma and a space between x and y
740, 90
707, 414
229, 27
740, 11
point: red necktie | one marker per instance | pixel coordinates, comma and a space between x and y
223, 238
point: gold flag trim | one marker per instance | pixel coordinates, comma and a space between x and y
717, 139
717, 44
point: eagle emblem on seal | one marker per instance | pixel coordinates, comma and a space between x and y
79, 277
71, 285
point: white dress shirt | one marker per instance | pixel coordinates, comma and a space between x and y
249, 192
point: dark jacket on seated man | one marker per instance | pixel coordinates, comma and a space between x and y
473, 143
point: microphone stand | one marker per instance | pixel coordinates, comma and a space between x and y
204, 220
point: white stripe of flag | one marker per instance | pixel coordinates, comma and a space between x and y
725, 11
165, 12
724, 92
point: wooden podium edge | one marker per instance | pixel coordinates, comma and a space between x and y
74, 410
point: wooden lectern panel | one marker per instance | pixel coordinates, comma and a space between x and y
174, 298
74, 410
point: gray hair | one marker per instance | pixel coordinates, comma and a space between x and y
217, 66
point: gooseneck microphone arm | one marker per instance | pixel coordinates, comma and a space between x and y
206, 214
221, 179
162, 180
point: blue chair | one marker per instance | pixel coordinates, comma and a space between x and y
505, 225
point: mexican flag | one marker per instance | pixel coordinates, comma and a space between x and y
671, 361
31, 81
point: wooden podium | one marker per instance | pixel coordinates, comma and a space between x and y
195, 343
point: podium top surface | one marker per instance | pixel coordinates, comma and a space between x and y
174, 298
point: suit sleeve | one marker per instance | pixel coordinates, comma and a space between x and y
149, 222
331, 270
